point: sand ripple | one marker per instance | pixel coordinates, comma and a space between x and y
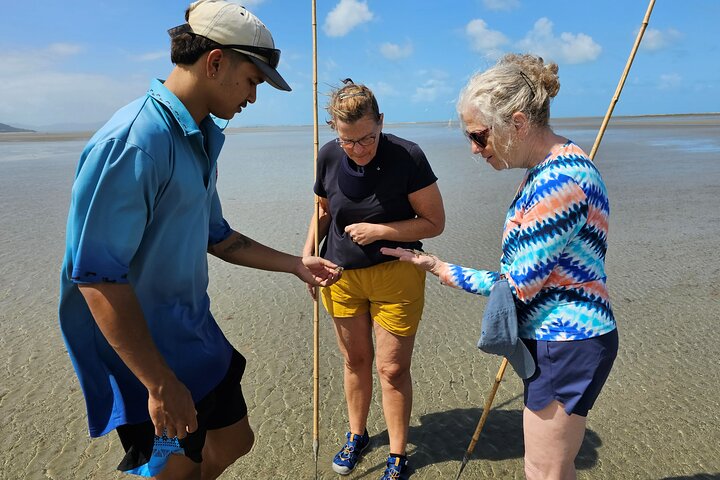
658, 418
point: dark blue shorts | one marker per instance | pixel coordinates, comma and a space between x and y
571, 372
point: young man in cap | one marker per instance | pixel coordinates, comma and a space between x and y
134, 311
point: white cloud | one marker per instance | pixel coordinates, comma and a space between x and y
21, 62
64, 49
578, 48
433, 88
383, 89
568, 47
654, 39
58, 97
501, 4
669, 81
346, 15
483, 39
151, 56
393, 51
17, 63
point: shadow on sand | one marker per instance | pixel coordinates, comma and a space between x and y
699, 476
445, 436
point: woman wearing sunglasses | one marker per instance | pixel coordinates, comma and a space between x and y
376, 190
553, 255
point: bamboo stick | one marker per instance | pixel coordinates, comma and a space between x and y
619, 88
316, 307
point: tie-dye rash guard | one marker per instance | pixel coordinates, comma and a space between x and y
554, 244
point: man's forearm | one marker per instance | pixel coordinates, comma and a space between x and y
241, 250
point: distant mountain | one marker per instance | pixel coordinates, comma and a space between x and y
7, 128
66, 127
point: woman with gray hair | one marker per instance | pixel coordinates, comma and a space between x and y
553, 255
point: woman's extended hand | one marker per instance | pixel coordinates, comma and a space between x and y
424, 260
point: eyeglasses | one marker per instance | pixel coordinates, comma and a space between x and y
366, 141
479, 138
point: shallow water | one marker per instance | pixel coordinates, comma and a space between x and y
658, 417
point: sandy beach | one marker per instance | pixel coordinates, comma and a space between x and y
657, 419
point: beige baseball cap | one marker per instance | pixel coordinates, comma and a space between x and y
232, 25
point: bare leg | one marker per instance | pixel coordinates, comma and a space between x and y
552, 441
179, 467
393, 357
225, 445
354, 337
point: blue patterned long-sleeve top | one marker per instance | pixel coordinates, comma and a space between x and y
554, 244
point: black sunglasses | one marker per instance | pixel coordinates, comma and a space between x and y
271, 54
479, 138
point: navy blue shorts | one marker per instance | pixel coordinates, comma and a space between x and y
571, 372
222, 407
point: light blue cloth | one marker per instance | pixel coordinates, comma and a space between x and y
163, 447
143, 211
499, 334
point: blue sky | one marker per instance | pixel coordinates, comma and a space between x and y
69, 65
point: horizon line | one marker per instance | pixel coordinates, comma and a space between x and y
423, 122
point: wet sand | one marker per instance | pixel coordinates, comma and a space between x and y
658, 417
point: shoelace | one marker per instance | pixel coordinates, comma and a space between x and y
394, 474
348, 450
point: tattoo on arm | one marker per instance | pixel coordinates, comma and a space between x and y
240, 242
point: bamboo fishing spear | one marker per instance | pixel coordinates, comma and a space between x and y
483, 417
598, 139
316, 307
621, 83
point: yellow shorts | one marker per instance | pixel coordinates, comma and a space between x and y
393, 292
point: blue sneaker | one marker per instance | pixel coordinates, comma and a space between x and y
348, 456
397, 468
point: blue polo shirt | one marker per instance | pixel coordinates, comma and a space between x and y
143, 211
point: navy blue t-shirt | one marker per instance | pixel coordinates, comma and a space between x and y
375, 193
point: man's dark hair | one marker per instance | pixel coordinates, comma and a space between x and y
187, 48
